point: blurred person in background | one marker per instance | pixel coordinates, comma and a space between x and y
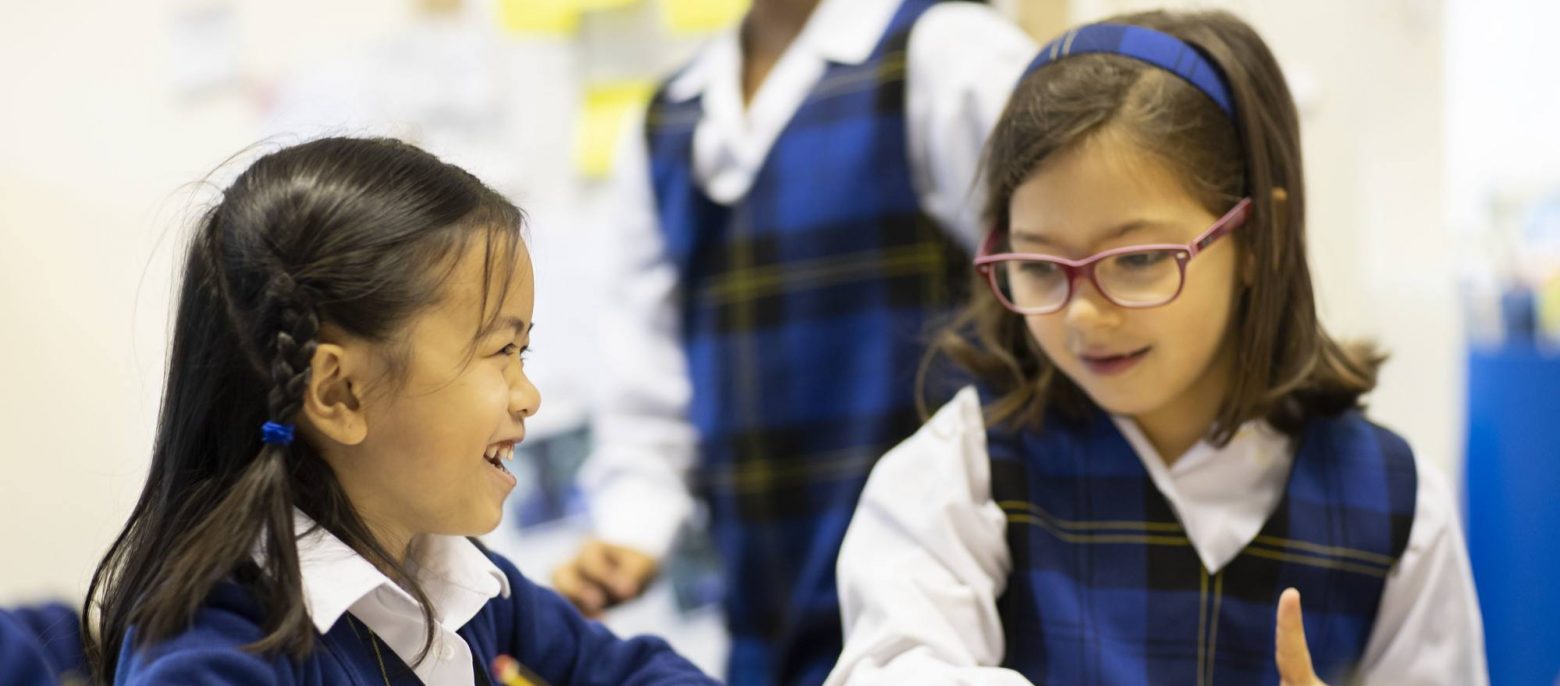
795, 211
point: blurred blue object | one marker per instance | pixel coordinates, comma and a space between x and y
41, 644
548, 471
1519, 310
1513, 501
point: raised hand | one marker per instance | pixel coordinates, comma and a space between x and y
1294, 658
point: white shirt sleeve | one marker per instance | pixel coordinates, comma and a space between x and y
636, 478
963, 61
924, 561
1428, 629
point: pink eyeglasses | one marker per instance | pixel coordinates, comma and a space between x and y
1138, 276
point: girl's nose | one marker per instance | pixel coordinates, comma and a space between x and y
524, 398
1088, 309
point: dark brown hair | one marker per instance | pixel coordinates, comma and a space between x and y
354, 233
1286, 367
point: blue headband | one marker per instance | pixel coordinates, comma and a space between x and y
1145, 45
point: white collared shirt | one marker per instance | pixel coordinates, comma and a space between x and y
926, 557
1223, 496
457, 578
963, 61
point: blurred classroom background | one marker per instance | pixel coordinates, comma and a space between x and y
1432, 156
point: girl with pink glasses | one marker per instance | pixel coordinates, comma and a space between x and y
1158, 439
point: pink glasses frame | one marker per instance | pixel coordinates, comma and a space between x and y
986, 262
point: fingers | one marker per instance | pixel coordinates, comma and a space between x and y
587, 596
635, 570
603, 575
1292, 654
598, 566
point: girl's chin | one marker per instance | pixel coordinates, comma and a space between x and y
1121, 402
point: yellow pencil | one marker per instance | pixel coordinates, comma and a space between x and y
507, 671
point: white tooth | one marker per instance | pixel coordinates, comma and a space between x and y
509, 455
489, 453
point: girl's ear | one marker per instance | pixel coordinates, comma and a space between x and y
333, 401
1248, 270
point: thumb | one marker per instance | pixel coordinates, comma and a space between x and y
1294, 658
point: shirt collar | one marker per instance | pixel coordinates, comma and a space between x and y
1223, 496
456, 576
1252, 445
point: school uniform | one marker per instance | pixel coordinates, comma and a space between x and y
41, 644
370, 629
776, 266
1073, 554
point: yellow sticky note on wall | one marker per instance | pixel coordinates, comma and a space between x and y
549, 17
593, 5
1549, 309
701, 16
606, 111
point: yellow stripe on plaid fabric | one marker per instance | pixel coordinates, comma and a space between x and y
1202, 622
1314, 561
892, 68
1326, 550
1098, 538
1315, 551
742, 285
759, 475
1213, 629
1030, 508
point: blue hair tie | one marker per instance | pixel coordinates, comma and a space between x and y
276, 434
1144, 45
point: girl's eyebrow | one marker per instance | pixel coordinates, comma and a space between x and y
519, 325
1032, 236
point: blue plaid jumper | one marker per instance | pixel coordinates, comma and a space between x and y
805, 307
1107, 589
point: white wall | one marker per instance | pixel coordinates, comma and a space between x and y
1502, 106
95, 146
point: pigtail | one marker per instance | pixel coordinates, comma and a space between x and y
287, 626
255, 513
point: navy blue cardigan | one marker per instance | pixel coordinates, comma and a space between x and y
40, 646
533, 625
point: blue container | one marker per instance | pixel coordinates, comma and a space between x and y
1513, 500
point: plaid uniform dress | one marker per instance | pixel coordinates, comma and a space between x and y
805, 307
1107, 589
